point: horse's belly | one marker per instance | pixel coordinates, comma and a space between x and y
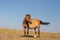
33, 25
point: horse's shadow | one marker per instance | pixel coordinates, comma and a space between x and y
27, 36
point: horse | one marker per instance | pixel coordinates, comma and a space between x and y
29, 23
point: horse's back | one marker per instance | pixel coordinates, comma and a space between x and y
34, 24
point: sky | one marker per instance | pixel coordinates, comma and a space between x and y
12, 13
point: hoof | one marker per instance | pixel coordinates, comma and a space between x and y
24, 35
38, 36
35, 36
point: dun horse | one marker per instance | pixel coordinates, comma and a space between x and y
29, 23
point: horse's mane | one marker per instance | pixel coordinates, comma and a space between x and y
24, 21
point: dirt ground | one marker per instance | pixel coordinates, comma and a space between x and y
10, 34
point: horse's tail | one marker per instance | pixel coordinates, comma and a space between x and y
44, 23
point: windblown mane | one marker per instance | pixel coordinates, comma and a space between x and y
25, 21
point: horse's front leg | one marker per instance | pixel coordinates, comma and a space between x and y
27, 31
24, 31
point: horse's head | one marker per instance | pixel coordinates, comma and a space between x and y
28, 18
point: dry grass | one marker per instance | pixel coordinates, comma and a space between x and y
10, 34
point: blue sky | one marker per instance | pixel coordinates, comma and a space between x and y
12, 13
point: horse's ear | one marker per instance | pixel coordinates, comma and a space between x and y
28, 15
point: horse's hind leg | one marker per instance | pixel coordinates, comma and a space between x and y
35, 33
38, 31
